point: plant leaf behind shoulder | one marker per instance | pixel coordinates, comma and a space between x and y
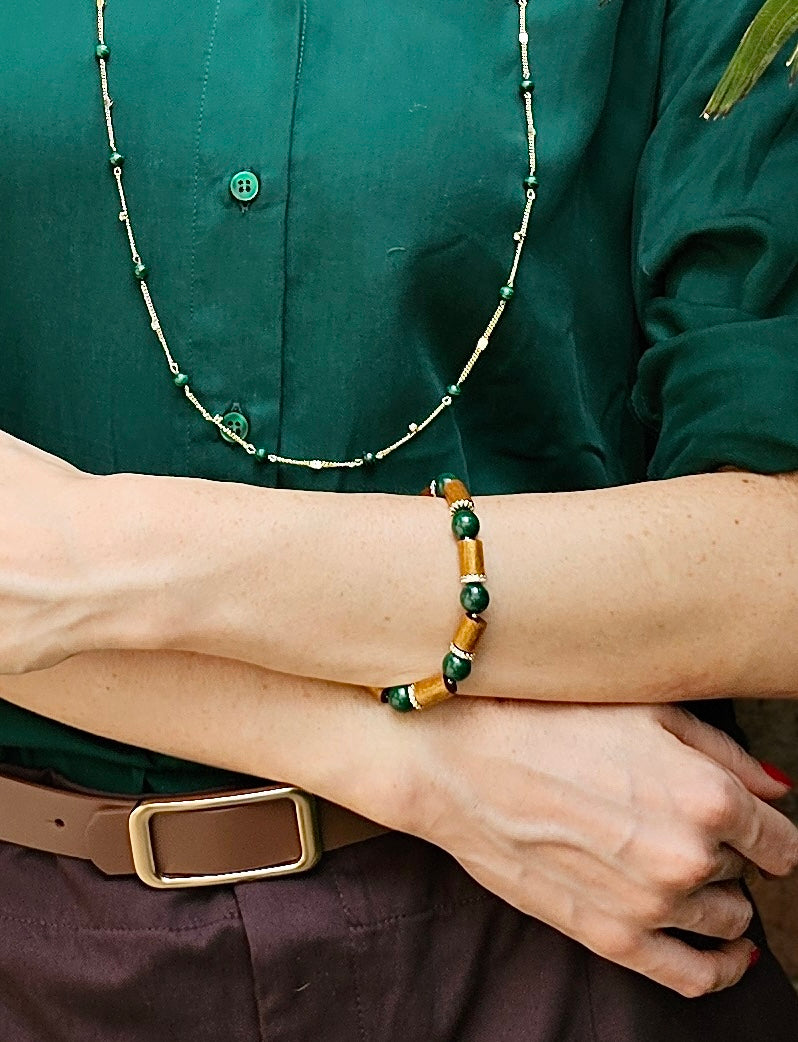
776, 22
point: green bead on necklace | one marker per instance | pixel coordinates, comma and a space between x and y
237, 433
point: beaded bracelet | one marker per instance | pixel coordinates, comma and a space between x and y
473, 597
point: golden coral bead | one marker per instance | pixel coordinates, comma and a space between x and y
469, 632
456, 492
432, 690
472, 560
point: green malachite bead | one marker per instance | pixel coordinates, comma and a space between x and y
465, 524
140, 271
474, 597
181, 380
262, 456
116, 159
398, 698
441, 480
369, 457
526, 86
456, 668
506, 292
102, 50
454, 390
530, 181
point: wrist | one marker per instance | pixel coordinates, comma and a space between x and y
85, 549
337, 742
393, 780
431, 755
130, 565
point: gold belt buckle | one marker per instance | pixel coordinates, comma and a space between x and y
144, 855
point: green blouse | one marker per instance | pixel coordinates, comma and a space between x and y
653, 328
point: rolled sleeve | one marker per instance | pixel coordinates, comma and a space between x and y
716, 259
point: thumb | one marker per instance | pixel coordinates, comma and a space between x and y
724, 750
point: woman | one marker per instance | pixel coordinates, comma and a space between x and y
311, 214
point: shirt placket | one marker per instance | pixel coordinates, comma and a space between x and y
241, 187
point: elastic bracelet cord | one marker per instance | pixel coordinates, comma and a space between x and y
474, 598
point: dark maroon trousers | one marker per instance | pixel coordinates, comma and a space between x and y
385, 941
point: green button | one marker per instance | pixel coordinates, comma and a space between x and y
237, 422
244, 186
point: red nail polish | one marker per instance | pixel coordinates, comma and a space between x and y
776, 774
754, 957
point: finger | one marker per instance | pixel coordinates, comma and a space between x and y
724, 750
730, 865
764, 836
691, 972
752, 875
718, 910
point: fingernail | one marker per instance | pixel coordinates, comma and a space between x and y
754, 957
776, 774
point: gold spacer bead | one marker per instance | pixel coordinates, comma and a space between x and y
467, 655
430, 691
461, 504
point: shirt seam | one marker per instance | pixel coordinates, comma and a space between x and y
283, 323
193, 277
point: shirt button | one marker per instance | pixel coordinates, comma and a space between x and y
244, 186
237, 422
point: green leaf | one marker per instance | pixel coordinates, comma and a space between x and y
776, 22
792, 65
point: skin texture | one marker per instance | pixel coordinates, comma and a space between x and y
612, 823
661, 591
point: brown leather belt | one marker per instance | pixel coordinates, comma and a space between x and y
179, 841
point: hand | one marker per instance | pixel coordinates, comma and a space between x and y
609, 823
44, 570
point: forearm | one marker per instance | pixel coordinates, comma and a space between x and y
651, 592
326, 738
569, 786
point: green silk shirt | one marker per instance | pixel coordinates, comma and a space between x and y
653, 329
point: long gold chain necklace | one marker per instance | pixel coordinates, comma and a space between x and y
181, 380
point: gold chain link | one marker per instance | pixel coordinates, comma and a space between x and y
415, 428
